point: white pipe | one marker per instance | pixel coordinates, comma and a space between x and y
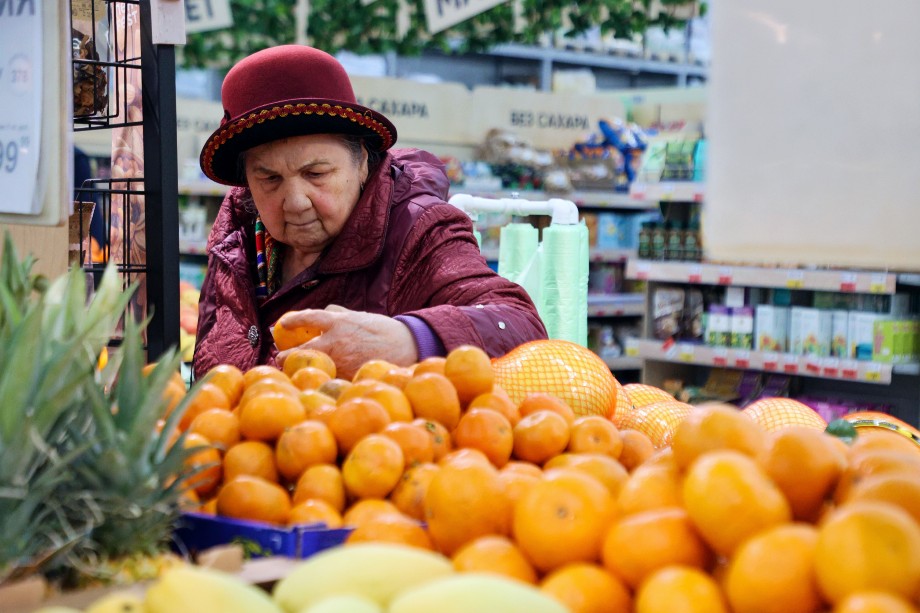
563, 211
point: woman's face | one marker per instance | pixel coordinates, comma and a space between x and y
305, 187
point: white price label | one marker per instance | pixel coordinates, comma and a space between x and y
795, 279
687, 353
878, 284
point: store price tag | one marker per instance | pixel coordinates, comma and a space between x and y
813, 365
695, 274
725, 276
830, 367
874, 373
643, 269
795, 279
667, 191
21, 56
878, 284
771, 361
742, 359
632, 348
670, 349
637, 191
848, 282
791, 365
686, 353
720, 357
849, 369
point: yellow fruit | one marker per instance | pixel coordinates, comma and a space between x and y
679, 588
773, 572
466, 592
345, 603
868, 546
716, 426
729, 498
70, 610
378, 571
874, 602
191, 589
116, 602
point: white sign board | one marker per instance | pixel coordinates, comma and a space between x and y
203, 15
813, 129
34, 179
442, 14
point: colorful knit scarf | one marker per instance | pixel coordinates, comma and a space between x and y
268, 261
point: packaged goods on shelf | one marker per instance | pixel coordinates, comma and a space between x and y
718, 326
742, 327
771, 324
667, 310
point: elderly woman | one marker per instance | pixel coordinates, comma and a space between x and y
330, 226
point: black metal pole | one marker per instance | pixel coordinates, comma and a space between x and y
158, 78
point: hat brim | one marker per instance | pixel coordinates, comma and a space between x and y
285, 119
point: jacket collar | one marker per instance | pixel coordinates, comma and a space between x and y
361, 239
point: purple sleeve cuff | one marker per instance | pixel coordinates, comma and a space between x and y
426, 341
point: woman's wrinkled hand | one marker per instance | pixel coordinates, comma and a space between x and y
351, 338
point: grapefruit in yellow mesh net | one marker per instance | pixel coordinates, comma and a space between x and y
643, 395
883, 427
657, 421
564, 369
777, 413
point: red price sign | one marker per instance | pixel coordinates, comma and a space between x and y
848, 282
695, 275
790, 368
725, 276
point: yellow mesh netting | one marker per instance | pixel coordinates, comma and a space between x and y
657, 421
777, 413
643, 395
564, 369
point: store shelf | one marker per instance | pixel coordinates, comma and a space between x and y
623, 363
616, 305
193, 247
673, 191
784, 363
598, 254
202, 187
596, 199
752, 276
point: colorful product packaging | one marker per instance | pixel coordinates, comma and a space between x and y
718, 326
771, 325
742, 327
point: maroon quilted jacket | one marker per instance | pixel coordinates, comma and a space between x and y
403, 251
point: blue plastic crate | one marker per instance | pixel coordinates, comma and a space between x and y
198, 531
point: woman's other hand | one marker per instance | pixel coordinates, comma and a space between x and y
351, 338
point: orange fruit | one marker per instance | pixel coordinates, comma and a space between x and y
496, 555
637, 448
680, 588
868, 546
595, 434
248, 497
220, 427
253, 458
642, 395
315, 511
334, 387
373, 467
712, 427
806, 465
354, 419
640, 544
391, 529
206, 460
540, 436
433, 396
287, 338
209, 507
874, 602
358, 389
416, 444
496, 402
228, 378
463, 503
774, 414
562, 519
393, 400
368, 509
309, 378
440, 437
301, 358
304, 445
868, 437
269, 385
433, 364
488, 431
518, 482
773, 572
873, 462
311, 400
657, 421
901, 489
650, 486
527, 468
373, 369
409, 493
542, 401
263, 371
587, 588
730, 498
605, 469
465, 457
173, 393
322, 482
205, 396
469, 368
397, 377
266, 416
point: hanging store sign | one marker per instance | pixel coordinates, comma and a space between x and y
204, 15
442, 14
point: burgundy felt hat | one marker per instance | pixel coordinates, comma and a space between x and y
289, 90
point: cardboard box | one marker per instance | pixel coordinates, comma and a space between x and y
861, 333
814, 332
840, 328
198, 531
771, 325
718, 326
742, 327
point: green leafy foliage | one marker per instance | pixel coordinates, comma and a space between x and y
392, 25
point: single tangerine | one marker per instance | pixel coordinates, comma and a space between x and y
489, 432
